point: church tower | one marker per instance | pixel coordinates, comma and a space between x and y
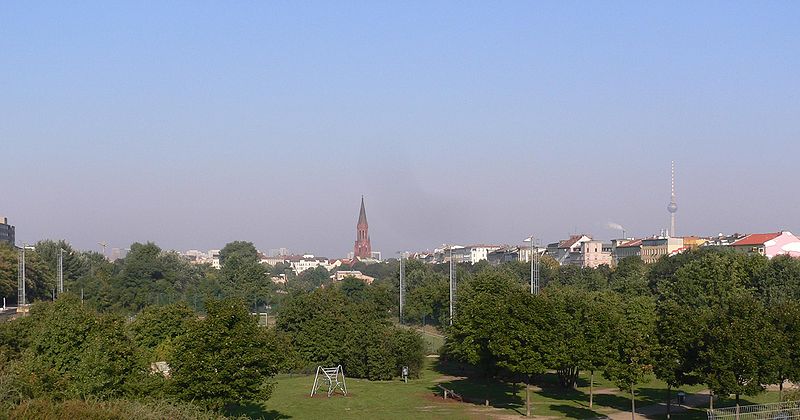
362, 249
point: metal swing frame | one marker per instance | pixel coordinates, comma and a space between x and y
329, 377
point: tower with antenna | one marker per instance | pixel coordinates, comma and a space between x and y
672, 208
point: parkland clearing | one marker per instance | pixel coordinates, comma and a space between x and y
152, 336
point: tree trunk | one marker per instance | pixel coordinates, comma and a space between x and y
633, 404
711, 400
737, 400
780, 391
669, 401
528, 397
591, 389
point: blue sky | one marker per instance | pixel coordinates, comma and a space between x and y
192, 124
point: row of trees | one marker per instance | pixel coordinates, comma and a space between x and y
723, 319
503, 329
149, 275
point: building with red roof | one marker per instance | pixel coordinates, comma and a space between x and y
769, 244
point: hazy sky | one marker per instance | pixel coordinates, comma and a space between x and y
196, 123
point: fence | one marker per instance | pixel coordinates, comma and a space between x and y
774, 411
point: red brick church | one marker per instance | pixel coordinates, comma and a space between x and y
362, 248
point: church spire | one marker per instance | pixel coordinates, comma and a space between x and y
362, 248
362, 216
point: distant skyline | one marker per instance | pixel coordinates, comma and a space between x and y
193, 124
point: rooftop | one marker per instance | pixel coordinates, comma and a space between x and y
756, 239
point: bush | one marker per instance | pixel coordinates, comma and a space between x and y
75, 352
332, 327
223, 359
45, 409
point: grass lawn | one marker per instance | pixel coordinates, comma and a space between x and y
374, 400
421, 399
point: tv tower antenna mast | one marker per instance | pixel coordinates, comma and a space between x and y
672, 208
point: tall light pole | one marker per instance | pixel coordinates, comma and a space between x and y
21, 301
534, 257
402, 285
452, 285
60, 271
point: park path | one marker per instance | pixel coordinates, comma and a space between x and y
697, 399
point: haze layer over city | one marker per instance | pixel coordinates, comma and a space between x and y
192, 125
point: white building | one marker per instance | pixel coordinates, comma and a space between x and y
473, 253
309, 261
341, 275
562, 250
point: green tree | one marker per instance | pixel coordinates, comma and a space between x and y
95, 285
585, 278
242, 275
8, 272
785, 362
630, 277
224, 359
312, 278
483, 314
738, 345
408, 349
428, 301
136, 284
634, 341
240, 250
567, 348
778, 280
348, 326
680, 329
157, 324
601, 317
74, 266
75, 352
522, 343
